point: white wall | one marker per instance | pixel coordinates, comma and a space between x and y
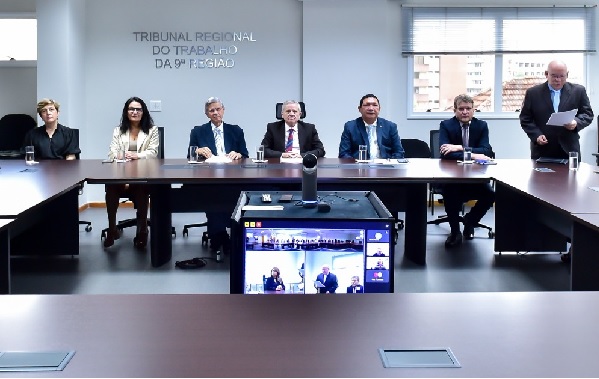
17, 90
327, 53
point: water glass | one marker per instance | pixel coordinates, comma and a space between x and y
193, 153
362, 153
120, 155
260, 153
467, 155
29, 155
573, 161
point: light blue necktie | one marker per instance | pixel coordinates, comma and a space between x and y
555, 95
372, 141
218, 138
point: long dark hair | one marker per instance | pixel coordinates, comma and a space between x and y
146, 119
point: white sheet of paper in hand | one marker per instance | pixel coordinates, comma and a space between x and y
219, 159
562, 118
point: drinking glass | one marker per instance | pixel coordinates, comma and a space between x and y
362, 153
29, 155
573, 161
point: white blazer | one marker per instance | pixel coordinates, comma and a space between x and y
147, 144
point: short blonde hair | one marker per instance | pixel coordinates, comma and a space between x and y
44, 103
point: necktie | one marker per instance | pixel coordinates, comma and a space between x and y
289, 144
555, 99
465, 136
372, 141
218, 138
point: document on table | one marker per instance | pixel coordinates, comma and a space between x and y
219, 159
262, 208
292, 160
562, 118
389, 161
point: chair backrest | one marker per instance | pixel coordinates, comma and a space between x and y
13, 129
415, 148
279, 110
161, 142
76, 133
434, 144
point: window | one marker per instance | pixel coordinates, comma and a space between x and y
480, 51
19, 39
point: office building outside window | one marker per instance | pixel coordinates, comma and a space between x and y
481, 52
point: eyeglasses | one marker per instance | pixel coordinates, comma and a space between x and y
133, 110
214, 110
554, 76
48, 110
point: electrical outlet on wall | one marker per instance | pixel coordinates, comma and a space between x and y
155, 105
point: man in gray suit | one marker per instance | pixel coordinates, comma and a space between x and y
540, 101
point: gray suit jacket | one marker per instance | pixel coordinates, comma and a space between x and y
536, 110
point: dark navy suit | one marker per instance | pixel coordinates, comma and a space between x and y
330, 285
234, 140
355, 134
359, 289
454, 195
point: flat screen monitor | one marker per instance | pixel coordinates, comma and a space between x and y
356, 256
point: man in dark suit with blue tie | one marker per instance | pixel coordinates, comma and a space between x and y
291, 137
220, 139
464, 130
379, 135
540, 101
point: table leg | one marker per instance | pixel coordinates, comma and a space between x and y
161, 248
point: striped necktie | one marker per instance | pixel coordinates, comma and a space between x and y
289, 144
465, 135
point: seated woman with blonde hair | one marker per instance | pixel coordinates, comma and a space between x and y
138, 137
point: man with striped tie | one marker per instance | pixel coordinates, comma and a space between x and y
218, 138
291, 137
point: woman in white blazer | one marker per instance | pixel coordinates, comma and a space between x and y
135, 138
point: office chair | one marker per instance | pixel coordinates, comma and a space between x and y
435, 189
279, 110
88, 224
130, 222
13, 129
413, 148
205, 236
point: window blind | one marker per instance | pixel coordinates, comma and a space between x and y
494, 30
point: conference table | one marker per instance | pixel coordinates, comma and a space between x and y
516, 334
534, 210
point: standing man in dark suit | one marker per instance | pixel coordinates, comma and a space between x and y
464, 130
540, 101
221, 139
379, 135
328, 279
291, 137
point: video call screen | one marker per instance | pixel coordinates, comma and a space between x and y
356, 255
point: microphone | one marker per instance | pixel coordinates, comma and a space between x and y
309, 193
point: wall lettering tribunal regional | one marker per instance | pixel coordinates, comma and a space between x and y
194, 50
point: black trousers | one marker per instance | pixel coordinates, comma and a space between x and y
455, 195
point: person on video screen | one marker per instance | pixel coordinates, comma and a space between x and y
328, 280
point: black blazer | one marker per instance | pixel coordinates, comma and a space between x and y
274, 139
536, 110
